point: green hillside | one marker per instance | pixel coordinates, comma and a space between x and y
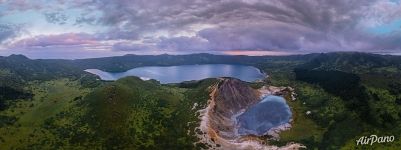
54, 104
366, 92
126, 114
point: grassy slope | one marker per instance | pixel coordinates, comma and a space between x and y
131, 109
146, 115
301, 121
342, 124
378, 84
136, 114
126, 114
51, 98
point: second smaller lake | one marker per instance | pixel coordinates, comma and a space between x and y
271, 112
177, 74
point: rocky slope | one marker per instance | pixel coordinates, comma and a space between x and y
228, 98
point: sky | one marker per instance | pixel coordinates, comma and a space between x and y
74, 29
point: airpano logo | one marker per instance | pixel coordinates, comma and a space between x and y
372, 139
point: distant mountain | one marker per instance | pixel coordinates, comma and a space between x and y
123, 63
16, 71
25, 69
51, 68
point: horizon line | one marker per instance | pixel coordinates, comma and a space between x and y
216, 54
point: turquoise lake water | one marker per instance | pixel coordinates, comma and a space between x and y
271, 112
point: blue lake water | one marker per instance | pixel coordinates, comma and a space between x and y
271, 112
177, 74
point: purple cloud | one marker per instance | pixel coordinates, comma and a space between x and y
68, 39
56, 17
257, 25
126, 46
216, 25
8, 31
184, 43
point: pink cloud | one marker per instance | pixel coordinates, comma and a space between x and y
67, 39
22, 5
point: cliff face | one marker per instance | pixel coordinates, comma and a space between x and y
229, 97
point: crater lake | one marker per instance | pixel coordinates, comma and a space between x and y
177, 74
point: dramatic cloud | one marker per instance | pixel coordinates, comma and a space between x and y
8, 31
213, 25
184, 43
57, 40
125, 46
56, 17
279, 25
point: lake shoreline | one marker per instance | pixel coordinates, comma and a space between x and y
182, 73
